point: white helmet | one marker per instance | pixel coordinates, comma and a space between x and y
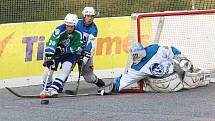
138, 52
71, 19
88, 11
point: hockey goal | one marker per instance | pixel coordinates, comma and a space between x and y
192, 32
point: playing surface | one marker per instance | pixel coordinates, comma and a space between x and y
187, 105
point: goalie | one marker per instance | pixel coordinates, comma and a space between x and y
163, 69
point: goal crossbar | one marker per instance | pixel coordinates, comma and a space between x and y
169, 13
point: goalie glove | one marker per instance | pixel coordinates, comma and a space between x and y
183, 63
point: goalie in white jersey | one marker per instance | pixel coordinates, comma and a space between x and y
163, 69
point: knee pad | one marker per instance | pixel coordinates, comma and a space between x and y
196, 78
171, 83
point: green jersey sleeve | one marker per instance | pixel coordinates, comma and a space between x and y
76, 41
53, 42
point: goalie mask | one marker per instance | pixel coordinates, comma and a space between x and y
137, 52
71, 19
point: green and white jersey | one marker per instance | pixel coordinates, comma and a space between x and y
72, 41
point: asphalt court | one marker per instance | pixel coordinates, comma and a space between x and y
186, 105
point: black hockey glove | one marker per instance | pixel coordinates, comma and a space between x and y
49, 61
60, 50
86, 54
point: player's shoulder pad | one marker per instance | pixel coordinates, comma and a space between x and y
60, 29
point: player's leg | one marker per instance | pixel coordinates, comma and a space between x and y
62, 86
89, 75
126, 79
67, 64
59, 80
49, 76
45, 76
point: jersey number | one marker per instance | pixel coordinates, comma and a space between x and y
52, 43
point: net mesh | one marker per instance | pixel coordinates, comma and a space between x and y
192, 34
42, 10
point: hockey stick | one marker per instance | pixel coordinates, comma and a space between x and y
38, 96
42, 94
80, 67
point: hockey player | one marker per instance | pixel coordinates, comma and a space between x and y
163, 69
90, 31
65, 40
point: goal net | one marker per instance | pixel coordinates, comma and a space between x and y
192, 32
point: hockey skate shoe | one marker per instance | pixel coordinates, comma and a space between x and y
100, 83
51, 93
60, 90
107, 89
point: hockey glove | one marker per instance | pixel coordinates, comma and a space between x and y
80, 62
49, 61
79, 51
86, 54
60, 50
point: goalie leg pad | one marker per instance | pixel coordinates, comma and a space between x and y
171, 83
196, 78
